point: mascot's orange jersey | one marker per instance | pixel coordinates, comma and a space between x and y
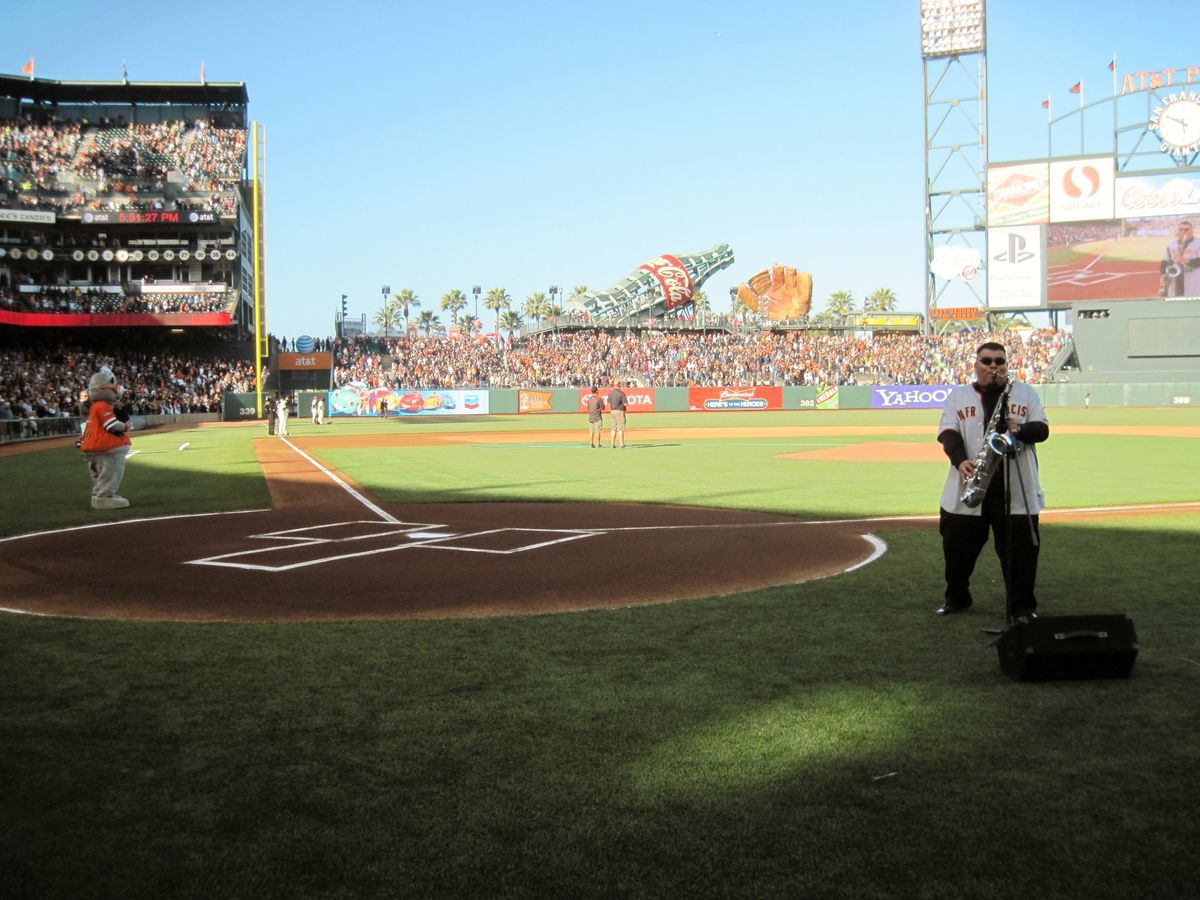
104, 430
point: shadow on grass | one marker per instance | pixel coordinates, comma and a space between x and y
817, 740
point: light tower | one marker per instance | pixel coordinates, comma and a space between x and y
954, 70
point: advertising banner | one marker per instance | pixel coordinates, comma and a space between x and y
317, 361
182, 289
672, 276
534, 401
716, 399
358, 399
952, 261
121, 320
1081, 190
1158, 195
637, 399
147, 217
1015, 270
910, 396
827, 398
956, 313
887, 320
1018, 194
31, 216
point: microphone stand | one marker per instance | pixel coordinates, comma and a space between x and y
1002, 426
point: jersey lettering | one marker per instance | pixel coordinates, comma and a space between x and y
967, 412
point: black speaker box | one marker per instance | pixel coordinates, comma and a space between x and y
1054, 647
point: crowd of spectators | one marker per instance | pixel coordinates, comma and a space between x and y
99, 301
50, 382
581, 358
69, 168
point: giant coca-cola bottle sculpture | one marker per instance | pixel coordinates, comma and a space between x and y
664, 284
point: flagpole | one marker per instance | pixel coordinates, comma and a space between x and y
1081, 130
1049, 125
1113, 67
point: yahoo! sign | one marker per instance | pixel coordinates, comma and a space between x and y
910, 396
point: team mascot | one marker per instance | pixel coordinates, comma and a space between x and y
105, 441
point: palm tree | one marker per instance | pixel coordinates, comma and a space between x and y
880, 300
576, 292
429, 321
497, 299
511, 321
536, 306
841, 304
386, 317
737, 306
701, 305
454, 301
405, 299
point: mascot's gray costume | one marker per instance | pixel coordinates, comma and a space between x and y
105, 441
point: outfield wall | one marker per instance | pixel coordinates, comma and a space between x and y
540, 401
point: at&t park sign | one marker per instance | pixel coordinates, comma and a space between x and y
1163, 78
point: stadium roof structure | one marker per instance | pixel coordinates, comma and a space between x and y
46, 90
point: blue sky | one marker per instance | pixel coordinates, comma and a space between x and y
523, 144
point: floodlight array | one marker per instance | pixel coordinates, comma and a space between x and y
951, 26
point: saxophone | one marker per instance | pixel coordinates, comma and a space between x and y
995, 446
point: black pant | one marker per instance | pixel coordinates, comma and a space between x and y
963, 539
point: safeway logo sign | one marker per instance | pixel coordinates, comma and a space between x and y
636, 399
1081, 190
1081, 181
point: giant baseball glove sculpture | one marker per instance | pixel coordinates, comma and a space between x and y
780, 291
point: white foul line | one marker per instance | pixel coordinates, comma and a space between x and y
383, 514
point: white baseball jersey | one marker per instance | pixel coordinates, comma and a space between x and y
963, 413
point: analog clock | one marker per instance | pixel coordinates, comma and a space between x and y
1178, 126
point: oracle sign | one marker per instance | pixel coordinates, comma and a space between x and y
673, 278
636, 399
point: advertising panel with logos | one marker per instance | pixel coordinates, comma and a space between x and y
637, 399
749, 399
1018, 194
1072, 230
359, 399
1016, 264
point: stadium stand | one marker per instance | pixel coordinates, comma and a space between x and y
123, 202
654, 359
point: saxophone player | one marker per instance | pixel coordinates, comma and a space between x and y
964, 529
1179, 269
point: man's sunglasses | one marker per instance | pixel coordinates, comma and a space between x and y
992, 360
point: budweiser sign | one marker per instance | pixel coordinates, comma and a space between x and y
673, 278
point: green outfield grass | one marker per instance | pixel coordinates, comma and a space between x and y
829, 739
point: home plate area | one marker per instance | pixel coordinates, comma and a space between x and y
327, 562
321, 544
